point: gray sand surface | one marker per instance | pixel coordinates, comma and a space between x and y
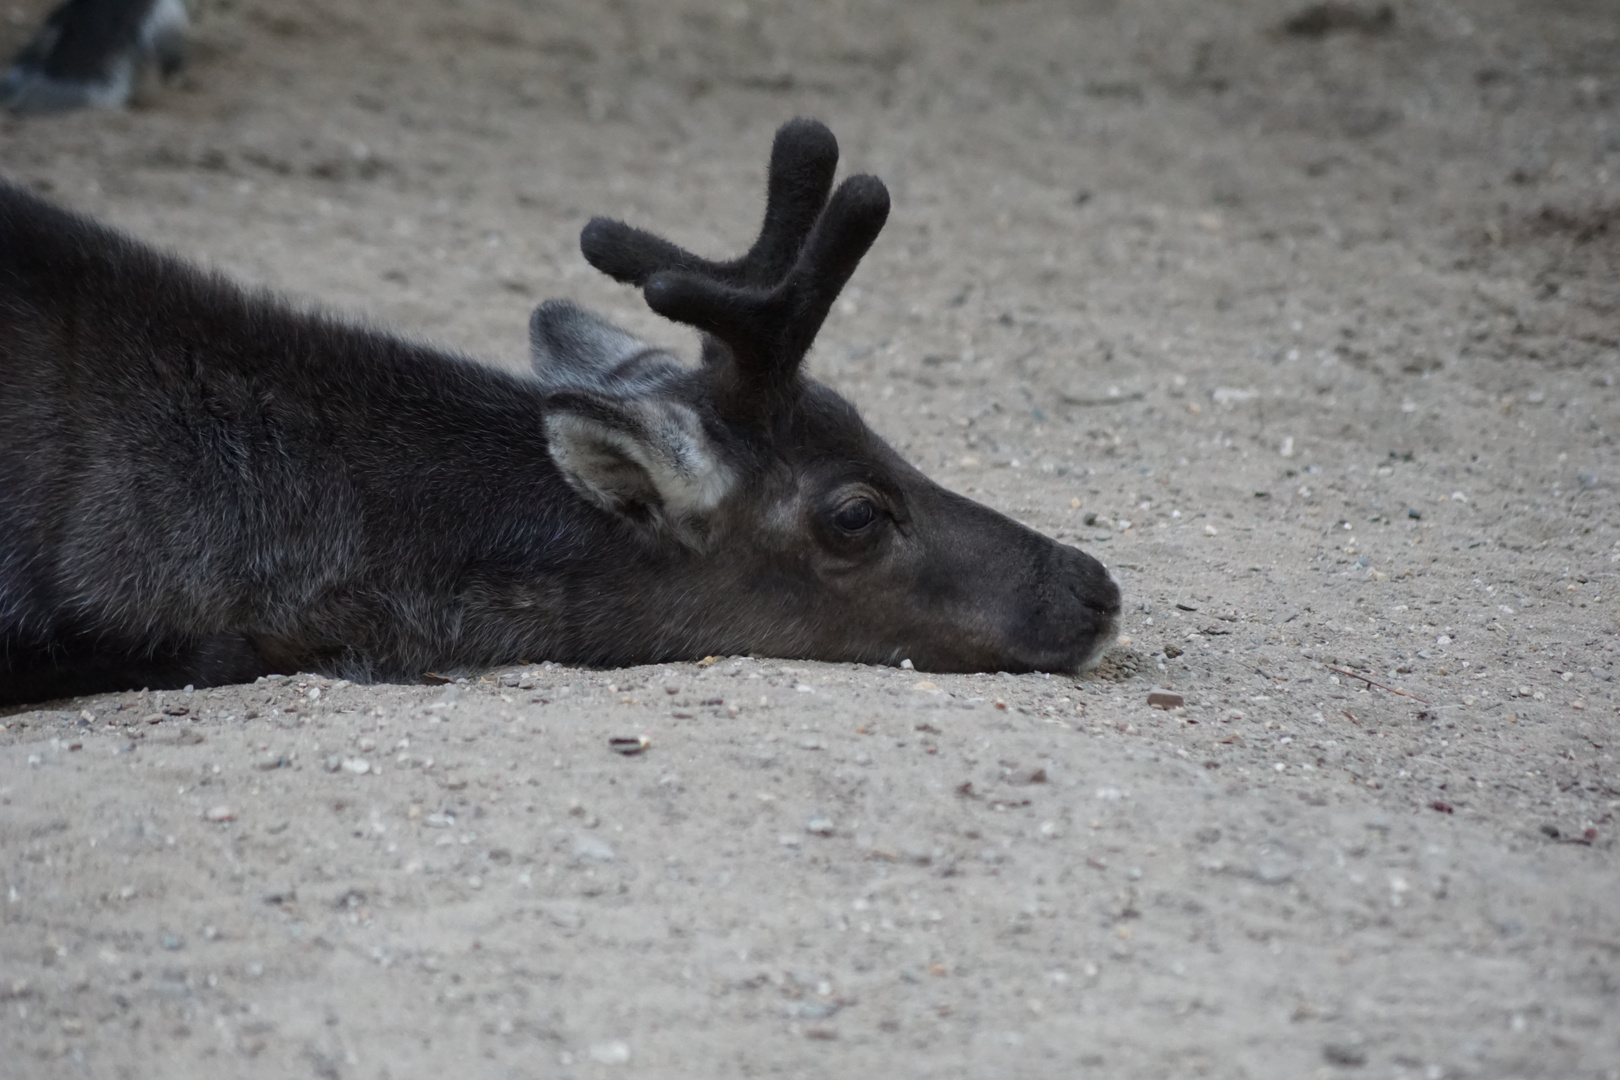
1310, 334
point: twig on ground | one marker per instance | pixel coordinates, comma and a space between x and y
1369, 682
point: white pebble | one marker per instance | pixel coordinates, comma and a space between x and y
593, 849
616, 1052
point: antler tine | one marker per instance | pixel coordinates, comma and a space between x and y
631, 255
769, 330
804, 156
840, 240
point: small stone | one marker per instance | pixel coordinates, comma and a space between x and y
1344, 1053
1025, 777
593, 849
219, 814
334, 763
616, 1052
1172, 651
819, 826
358, 766
1164, 699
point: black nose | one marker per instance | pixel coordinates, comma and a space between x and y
1098, 594
1074, 616
1098, 589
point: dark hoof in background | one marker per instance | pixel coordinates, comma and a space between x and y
92, 52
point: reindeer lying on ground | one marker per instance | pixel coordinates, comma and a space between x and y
199, 485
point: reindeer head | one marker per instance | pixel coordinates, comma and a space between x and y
787, 526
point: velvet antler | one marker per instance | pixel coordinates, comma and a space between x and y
767, 306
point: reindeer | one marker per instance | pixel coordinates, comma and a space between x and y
92, 52
201, 485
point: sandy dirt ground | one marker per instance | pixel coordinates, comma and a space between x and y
1304, 322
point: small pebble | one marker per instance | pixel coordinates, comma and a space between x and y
593, 849
1341, 1053
356, 765
218, 814
819, 826
1164, 699
616, 1052
1025, 777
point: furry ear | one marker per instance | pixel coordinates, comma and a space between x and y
646, 458
573, 349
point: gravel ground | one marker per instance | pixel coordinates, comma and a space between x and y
1303, 320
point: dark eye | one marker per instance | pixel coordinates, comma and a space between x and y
855, 515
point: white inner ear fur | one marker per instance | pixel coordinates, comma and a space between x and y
661, 454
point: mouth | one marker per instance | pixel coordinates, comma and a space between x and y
1107, 637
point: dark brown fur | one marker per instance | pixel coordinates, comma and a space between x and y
201, 485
